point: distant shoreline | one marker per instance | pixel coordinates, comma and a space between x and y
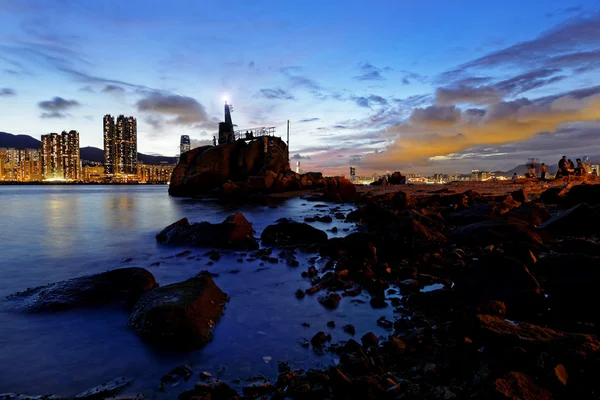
17, 183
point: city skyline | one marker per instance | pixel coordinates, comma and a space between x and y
402, 89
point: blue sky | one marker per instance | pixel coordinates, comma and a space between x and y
424, 86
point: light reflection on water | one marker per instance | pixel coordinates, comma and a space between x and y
59, 232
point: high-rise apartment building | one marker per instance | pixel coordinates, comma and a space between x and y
52, 157
70, 153
20, 165
184, 144
120, 146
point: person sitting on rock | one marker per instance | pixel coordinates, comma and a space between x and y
543, 171
579, 170
514, 177
570, 167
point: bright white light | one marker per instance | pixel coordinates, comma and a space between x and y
225, 98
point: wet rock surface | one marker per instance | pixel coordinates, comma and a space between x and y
181, 315
234, 232
288, 232
122, 286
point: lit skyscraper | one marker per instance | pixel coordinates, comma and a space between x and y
70, 153
120, 145
109, 148
52, 156
184, 144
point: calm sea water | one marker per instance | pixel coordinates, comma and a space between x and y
52, 233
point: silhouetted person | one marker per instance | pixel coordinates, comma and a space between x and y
579, 169
514, 177
570, 166
562, 167
214, 140
543, 171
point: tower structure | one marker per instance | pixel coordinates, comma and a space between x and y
70, 154
184, 144
226, 134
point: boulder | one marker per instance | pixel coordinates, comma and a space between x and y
288, 232
330, 300
551, 195
532, 213
205, 168
234, 232
181, 315
518, 386
504, 279
580, 220
339, 189
584, 193
498, 231
501, 335
397, 179
123, 286
571, 282
402, 200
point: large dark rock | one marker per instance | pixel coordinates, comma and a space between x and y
339, 189
397, 178
205, 168
234, 232
571, 282
580, 220
288, 232
500, 278
498, 231
501, 334
584, 193
181, 315
123, 286
518, 386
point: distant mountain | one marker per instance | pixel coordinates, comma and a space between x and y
8, 140
19, 142
523, 169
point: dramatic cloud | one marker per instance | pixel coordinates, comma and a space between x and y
57, 107
568, 38
368, 72
369, 101
113, 89
438, 131
183, 110
276, 93
7, 92
297, 156
309, 120
467, 94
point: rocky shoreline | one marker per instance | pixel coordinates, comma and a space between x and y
516, 271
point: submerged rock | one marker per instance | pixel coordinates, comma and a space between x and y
181, 315
234, 232
105, 390
288, 232
123, 285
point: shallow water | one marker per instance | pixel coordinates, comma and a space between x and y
52, 233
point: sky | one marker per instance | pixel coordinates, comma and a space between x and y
416, 86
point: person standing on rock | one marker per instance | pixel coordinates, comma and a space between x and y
514, 177
562, 167
543, 171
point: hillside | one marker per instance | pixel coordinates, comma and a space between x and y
8, 140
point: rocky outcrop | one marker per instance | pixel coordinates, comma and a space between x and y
206, 168
235, 232
122, 286
339, 189
395, 179
181, 315
288, 232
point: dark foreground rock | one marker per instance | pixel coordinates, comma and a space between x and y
234, 232
288, 232
122, 286
181, 315
20, 396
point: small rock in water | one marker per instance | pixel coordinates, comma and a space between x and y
205, 375
127, 260
292, 262
234, 271
331, 324
330, 300
319, 339
383, 322
300, 294
304, 342
105, 390
350, 329
155, 264
183, 253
